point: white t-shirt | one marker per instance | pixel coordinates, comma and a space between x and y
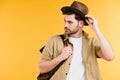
76, 71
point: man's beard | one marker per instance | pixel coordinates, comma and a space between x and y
69, 32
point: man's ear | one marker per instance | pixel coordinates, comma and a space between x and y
81, 23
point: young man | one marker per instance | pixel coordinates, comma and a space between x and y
81, 53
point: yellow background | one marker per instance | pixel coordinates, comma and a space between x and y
26, 25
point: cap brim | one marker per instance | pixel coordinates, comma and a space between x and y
68, 9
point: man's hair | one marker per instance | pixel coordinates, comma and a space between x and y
77, 16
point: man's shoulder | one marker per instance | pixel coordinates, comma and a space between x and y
87, 36
53, 40
56, 36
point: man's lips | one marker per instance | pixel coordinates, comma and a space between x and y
66, 29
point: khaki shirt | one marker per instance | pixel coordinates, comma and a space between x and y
54, 48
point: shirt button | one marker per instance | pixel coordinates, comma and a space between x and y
69, 64
66, 73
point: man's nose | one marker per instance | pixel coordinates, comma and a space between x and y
65, 24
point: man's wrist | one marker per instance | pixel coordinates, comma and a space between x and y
60, 58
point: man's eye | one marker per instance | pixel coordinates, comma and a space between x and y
70, 22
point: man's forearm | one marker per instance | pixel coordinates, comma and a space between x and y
48, 65
106, 48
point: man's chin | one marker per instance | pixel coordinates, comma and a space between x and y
67, 33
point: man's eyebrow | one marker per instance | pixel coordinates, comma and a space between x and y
68, 20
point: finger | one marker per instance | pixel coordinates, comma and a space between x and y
87, 21
90, 24
90, 17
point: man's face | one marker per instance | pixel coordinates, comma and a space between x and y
71, 25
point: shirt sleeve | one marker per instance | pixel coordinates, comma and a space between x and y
47, 52
95, 45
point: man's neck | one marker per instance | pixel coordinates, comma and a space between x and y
76, 35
